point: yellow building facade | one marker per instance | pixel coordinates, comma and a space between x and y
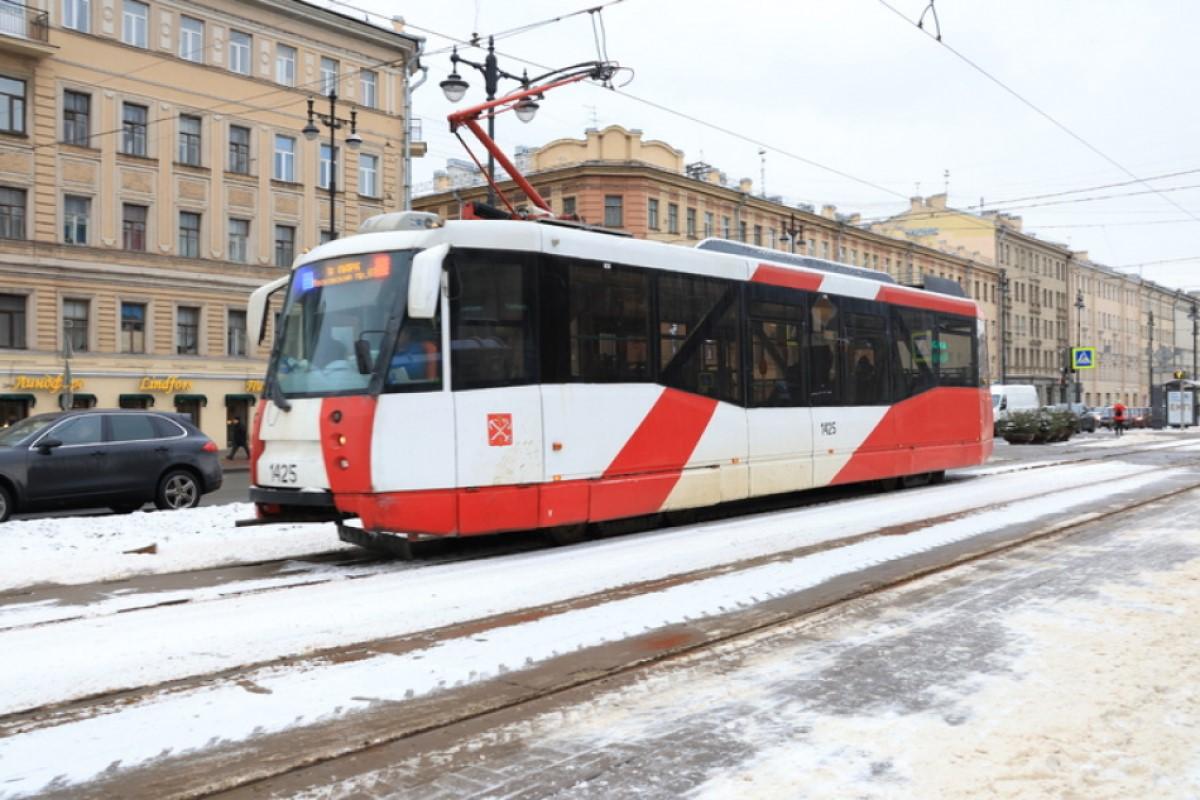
153, 172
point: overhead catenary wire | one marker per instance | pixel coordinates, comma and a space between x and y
1045, 115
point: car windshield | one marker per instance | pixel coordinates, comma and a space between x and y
335, 318
995, 400
15, 434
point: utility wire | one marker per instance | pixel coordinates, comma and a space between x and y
1038, 110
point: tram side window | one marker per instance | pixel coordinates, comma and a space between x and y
866, 353
698, 322
776, 340
493, 320
609, 323
914, 334
824, 353
955, 353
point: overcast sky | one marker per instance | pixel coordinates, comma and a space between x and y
851, 85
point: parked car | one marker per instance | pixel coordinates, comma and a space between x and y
1106, 417
1085, 420
115, 458
1139, 417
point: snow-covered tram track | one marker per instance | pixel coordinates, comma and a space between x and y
50, 604
425, 662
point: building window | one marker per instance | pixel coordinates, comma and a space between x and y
691, 223
240, 47
758, 240
135, 21
672, 218
326, 165
614, 216
285, 245
742, 231
329, 76
368, 81
235, 333
725, 229
368, 175
285, 65
133, 129
568, 206
325, 237
133, 227
12, 213
77, 15
133, 327
76, 212
12, 105
652, 214
75, 324
285, 159
239, 239
239, 149
189, 234
189, 140
12, 321
708, 224
77, 118
187, 330
191, 39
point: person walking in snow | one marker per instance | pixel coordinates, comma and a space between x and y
1119, 418
237, 438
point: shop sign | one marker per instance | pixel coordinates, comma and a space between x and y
167, 385
254, 386
45, 383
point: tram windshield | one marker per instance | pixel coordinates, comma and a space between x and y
335, 320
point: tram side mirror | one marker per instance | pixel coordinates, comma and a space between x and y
362, 356
425, 282
47, 445
256, 309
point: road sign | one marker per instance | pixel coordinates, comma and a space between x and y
1083, 357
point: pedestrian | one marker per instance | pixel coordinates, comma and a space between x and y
237, 438
1119, 418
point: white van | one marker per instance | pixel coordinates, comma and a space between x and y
1010, 397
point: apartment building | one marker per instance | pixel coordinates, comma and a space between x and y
1032, 281
153, 171
615, 178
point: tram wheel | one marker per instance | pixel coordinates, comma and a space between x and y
888, 484
937, 477
562, 535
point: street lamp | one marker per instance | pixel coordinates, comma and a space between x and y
1078, 343
793, 231
455, 88
353, 140
1194, 316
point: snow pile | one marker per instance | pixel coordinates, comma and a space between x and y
84, 549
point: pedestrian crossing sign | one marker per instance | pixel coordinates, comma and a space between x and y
1083, 357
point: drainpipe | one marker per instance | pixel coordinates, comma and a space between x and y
409, 88
737, 216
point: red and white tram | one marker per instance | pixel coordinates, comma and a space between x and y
477, 376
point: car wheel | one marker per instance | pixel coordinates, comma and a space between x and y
177, 489
6, 504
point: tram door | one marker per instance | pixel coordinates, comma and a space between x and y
497, 402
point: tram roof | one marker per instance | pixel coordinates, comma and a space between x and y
746, 264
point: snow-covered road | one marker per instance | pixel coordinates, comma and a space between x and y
694, 572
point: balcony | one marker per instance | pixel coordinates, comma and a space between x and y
24, 31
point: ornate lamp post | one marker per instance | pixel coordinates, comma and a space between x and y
455, 88
353, 140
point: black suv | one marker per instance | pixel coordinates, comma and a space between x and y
117, 458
